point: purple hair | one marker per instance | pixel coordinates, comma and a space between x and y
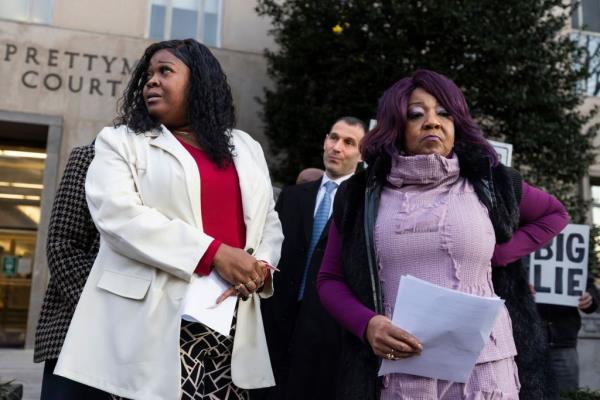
388, 136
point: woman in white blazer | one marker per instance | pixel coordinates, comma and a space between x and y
146, 189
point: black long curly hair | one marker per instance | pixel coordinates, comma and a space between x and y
210, 108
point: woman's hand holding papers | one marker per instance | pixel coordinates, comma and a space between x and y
389, 341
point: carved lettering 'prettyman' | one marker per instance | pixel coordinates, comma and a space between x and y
36, 77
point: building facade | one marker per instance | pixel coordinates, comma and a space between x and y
64, 64
585, 27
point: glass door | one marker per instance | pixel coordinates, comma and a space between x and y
21, 177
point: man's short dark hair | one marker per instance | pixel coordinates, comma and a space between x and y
352, 121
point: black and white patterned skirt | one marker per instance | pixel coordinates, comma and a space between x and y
206, 364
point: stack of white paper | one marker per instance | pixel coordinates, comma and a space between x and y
452, 326
199, 303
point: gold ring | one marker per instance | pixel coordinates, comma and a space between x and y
249, 282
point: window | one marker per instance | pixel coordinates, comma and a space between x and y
181, 19
586, 15
585, 22
22, 162
39, 11
589, 61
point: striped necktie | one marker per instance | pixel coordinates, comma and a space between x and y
321, 218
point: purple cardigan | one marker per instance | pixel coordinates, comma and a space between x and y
541, 218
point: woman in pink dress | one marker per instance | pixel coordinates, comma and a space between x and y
437, 204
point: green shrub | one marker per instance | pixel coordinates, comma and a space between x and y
518, 68
584, 394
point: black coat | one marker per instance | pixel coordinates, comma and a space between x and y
563, 322
303, 338
355, 210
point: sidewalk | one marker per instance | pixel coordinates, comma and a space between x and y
18, 365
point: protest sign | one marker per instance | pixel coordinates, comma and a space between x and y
558, 271
372, 124
504, 151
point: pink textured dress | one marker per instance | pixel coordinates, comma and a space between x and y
431, 225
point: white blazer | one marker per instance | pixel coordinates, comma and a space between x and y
143, 191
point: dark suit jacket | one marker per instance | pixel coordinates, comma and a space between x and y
71, 250
303, 339
562, 323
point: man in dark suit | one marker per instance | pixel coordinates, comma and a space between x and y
303, 339
71, 250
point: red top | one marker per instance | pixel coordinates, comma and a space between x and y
221, 205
